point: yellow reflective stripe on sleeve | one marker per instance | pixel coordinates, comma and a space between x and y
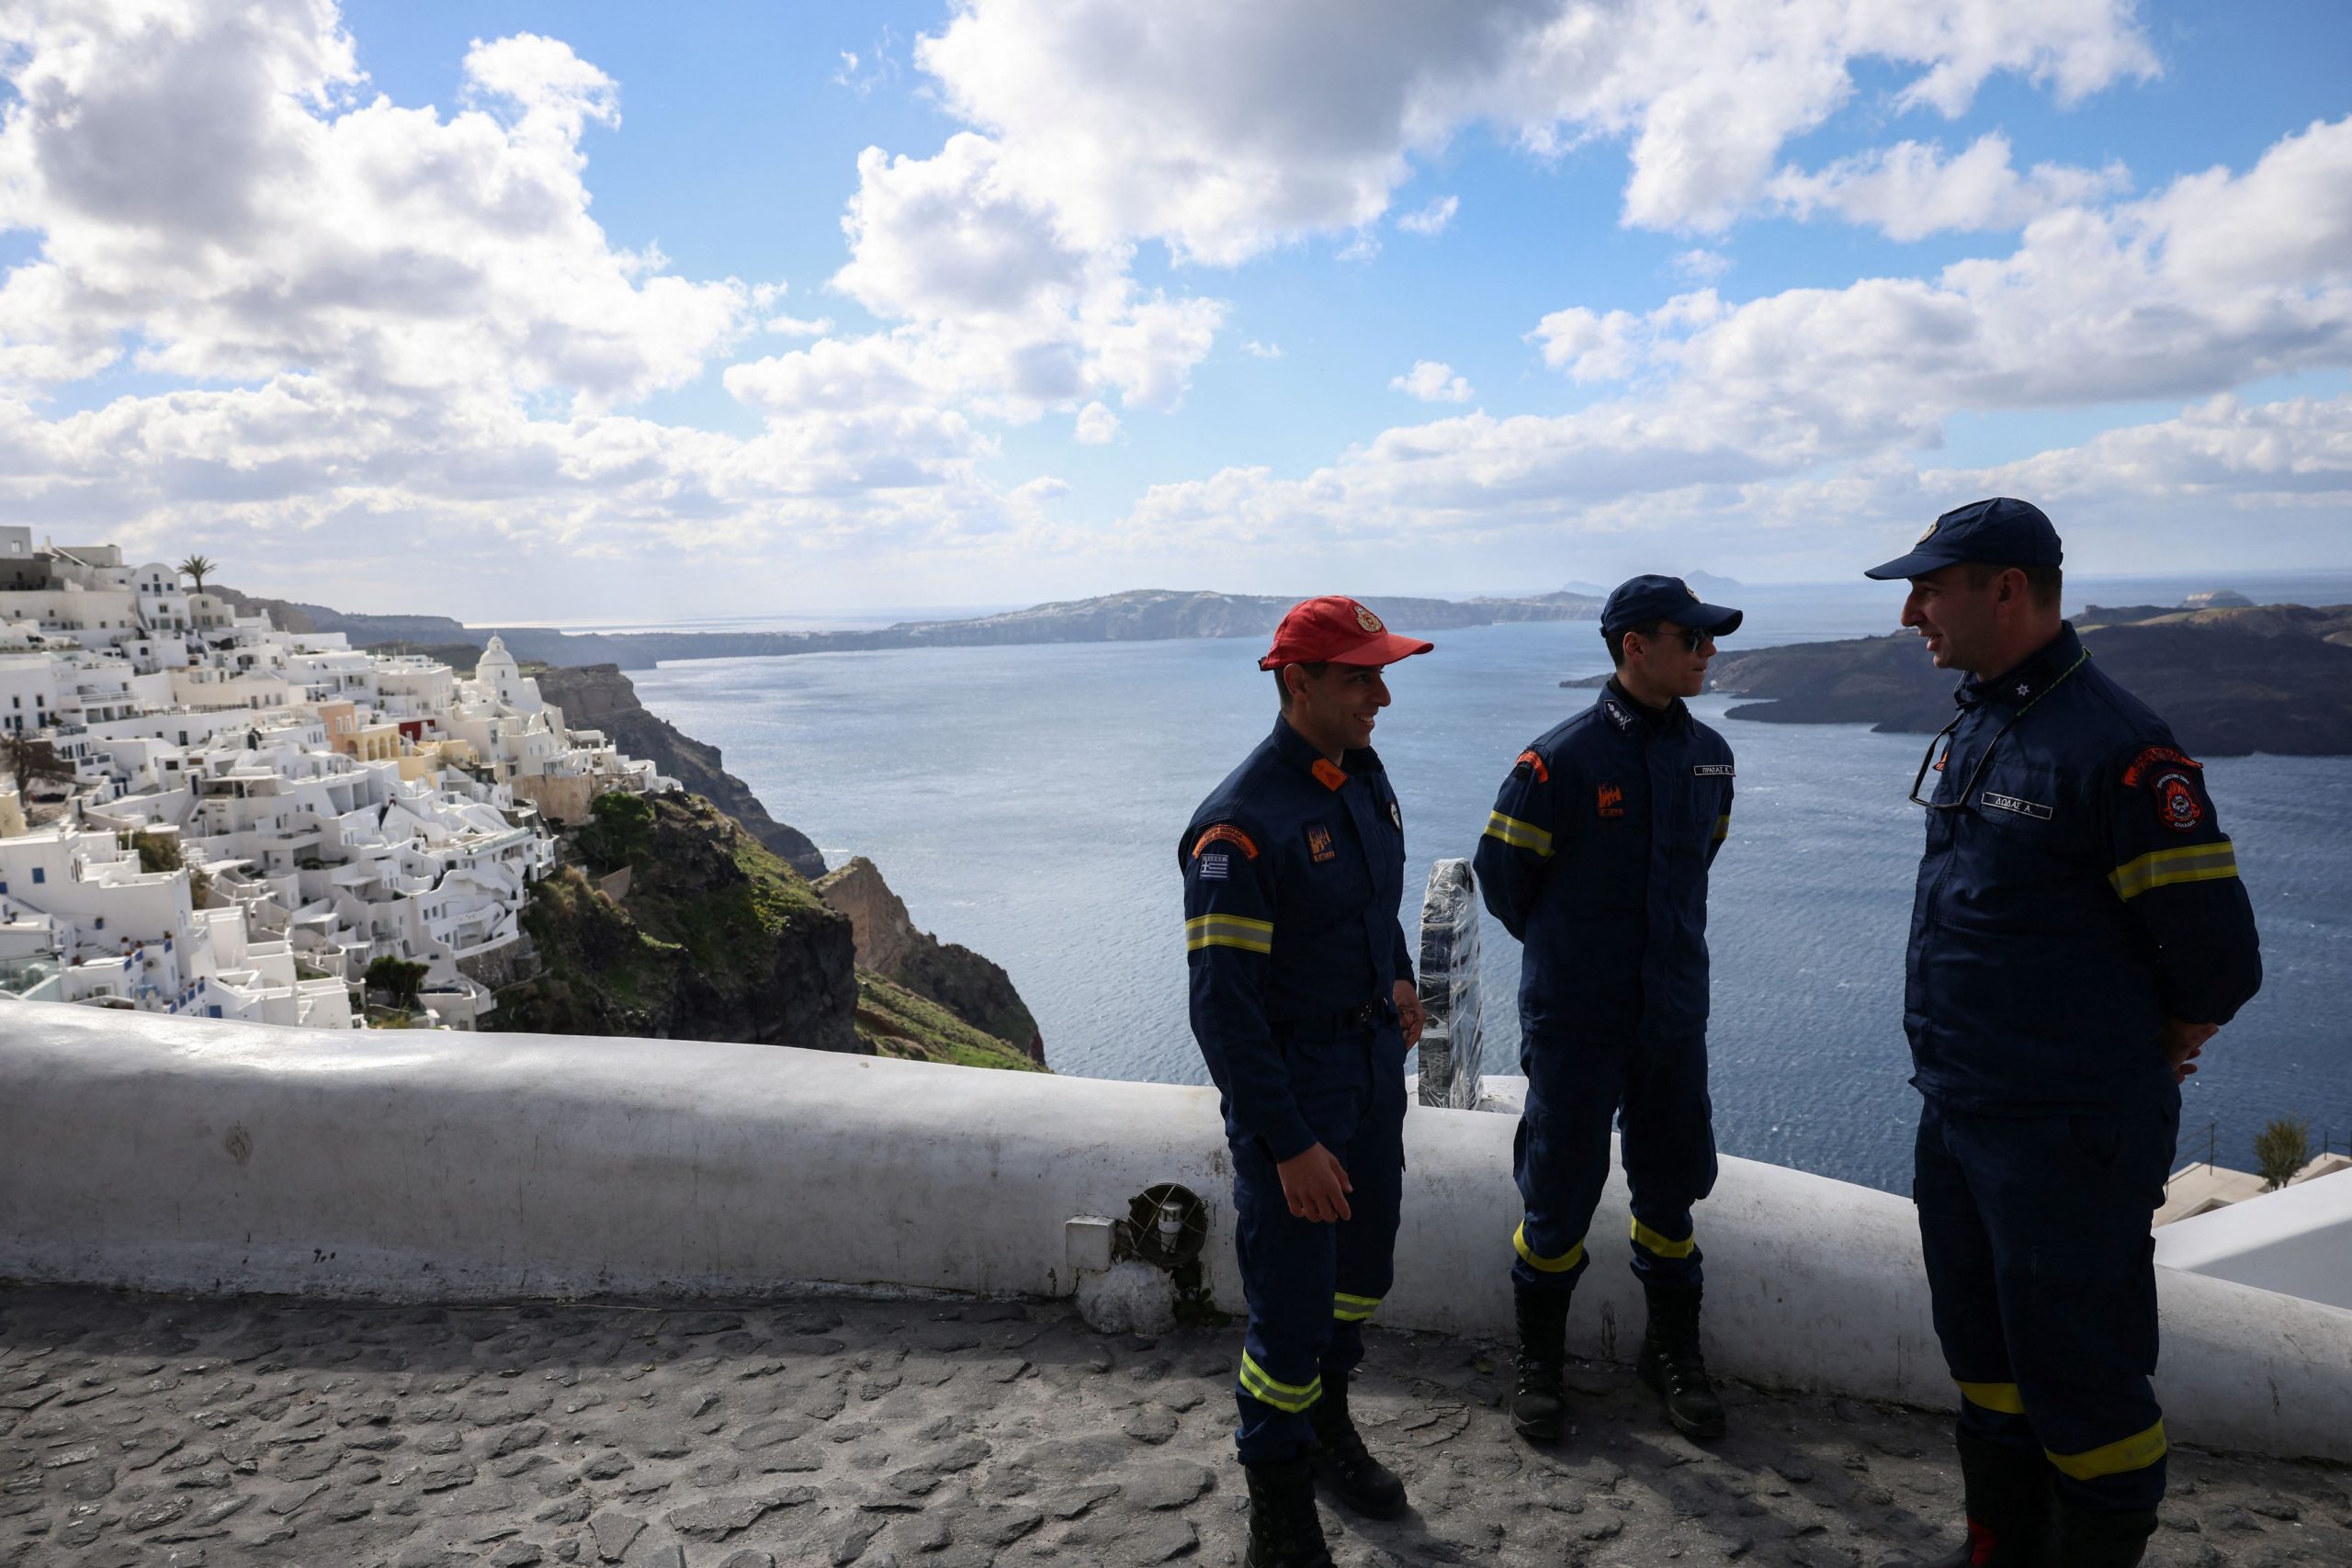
1285, 1397
1645, 1237
1560, 1265
2000, 1396
2137, 1451
2161, 868
1722, 826
1228, 930
1353, 1309
1518, 835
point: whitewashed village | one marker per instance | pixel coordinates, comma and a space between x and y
204, 814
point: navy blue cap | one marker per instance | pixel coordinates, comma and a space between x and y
1650, 598
1999, 531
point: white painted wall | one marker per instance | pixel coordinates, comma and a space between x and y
2297, 1240
178, 1154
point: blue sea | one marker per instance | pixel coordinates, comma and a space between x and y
1026, 802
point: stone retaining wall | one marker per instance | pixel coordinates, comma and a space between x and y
187, 1154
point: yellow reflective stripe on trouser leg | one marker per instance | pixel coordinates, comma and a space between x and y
1228, 930
1645, 1237
1560, 1265
2000, 1397
2137, 1451
2162, 868
1353, 1309
1286, 1396
1518, 835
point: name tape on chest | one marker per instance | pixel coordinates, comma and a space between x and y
2033, 809
1712, 770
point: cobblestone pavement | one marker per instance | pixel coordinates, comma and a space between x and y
165, 1433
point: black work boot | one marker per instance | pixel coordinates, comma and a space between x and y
1671, 1363
2008, 1507
1342, 1462
1285, 1530
2100, 1541
1539, 1404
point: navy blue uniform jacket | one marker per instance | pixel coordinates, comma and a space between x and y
2083, 891
1596, 856
1294, 872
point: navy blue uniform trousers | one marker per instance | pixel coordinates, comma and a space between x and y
2036, 1234
1312, 1285
1657, 1092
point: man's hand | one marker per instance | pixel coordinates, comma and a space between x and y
2183, 1041
1409, 1016
1315, 1184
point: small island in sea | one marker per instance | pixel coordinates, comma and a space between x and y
2231, 680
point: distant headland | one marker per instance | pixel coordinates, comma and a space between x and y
2231, 680
1140, 616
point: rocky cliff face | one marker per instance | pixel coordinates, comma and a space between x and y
598, 697
962, 981
717, 939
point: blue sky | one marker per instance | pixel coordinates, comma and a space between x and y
1256, 297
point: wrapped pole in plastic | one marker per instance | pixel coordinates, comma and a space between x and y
1451, 1036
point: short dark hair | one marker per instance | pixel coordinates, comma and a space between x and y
1314, 668
1616, 639
2046, 583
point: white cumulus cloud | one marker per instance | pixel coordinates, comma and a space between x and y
1225, 127
1911, 190
1096, 427
1433, 219
1432, 381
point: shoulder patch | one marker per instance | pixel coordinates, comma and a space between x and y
2156, 756
1531, 763
1225, 833
2179, 806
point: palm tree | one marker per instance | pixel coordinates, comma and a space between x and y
198, 568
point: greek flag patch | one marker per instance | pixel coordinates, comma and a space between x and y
1213, 867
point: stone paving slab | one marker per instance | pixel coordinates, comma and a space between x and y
151, 1432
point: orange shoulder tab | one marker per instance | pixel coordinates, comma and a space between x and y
1329, 774
1542, 774
1225, 833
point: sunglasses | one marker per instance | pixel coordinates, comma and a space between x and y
1693, 640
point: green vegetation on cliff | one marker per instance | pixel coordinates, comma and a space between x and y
712, 937
894, 1021
682, 925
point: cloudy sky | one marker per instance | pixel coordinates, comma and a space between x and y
593, 310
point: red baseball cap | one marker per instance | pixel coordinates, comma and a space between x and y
1335, 629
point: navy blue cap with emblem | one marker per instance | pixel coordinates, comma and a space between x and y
2002, 531
1640, 600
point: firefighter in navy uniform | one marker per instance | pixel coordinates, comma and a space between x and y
2078, 932
1304, 1005
1596, 859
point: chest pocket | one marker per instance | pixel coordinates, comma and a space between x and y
2020, 838
1318, 894
1609, 855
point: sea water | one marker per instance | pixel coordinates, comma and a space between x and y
1027, 801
